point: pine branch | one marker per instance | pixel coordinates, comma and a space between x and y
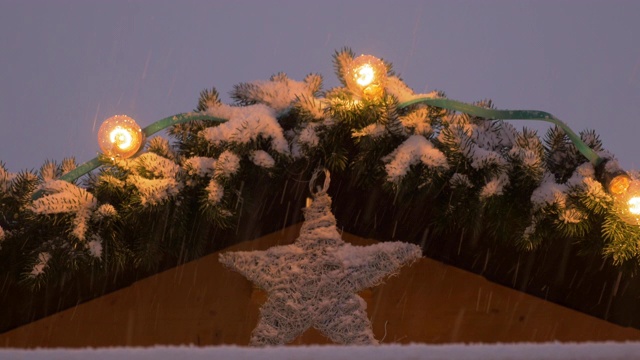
471, 177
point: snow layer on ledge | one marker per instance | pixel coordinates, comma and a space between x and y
603, 350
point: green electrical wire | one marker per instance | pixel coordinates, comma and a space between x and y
178, 119
437, 102
591, 155
81, 170
147, 131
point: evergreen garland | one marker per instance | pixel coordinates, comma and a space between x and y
485, 177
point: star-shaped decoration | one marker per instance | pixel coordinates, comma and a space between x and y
314, 281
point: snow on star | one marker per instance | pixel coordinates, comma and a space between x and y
314, 281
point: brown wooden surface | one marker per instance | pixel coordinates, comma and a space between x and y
203, 303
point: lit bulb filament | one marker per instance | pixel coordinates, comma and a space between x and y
634, 205
121, 138
365, 75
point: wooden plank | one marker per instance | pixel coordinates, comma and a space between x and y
203, 303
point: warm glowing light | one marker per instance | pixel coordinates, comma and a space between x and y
627, 202
366, 76
619, 184
120, 137
624, 188
634, 205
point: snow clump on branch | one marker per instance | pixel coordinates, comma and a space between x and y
416, 149
64, 197
246, 124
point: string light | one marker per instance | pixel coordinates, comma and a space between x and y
624, 189
627, 204
120, 137
619, 184
366, 76
634, 205
109, 148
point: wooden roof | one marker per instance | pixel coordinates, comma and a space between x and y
203, 303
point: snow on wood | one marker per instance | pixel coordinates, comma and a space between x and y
528, 351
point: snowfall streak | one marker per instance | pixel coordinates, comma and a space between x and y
202, 303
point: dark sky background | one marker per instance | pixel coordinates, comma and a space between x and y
65, 66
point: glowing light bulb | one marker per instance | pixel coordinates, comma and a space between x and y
623, 187
627, 203
366, 76
619, 184
120, 137
634, 205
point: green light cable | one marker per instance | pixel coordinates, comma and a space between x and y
449, 104
591, 155
94, 163
178, 119
147, 131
